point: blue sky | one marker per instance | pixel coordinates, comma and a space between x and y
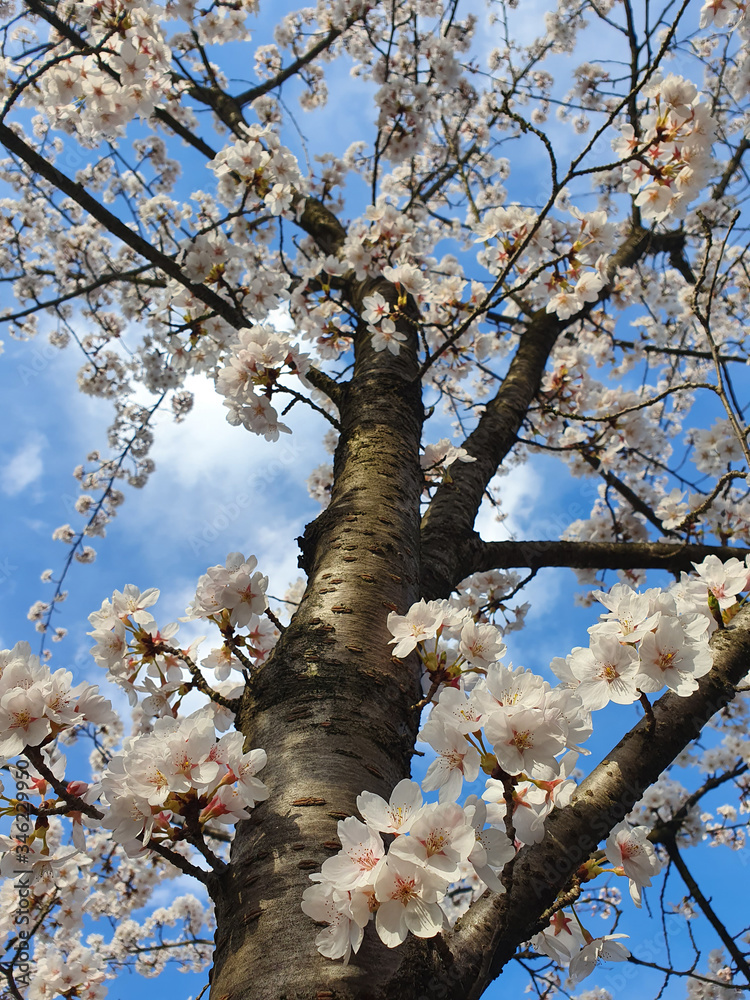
218, 489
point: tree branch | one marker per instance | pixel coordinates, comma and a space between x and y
669, 828
450, 516
638, 505
91, 286
478, 556
199, 681
730, 170
452, 510
320, 223
687, 974
333, 389
485, 939
39, 165
253, 93
695, 891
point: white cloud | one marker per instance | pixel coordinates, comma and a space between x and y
205, 452
519, 492
216, 489
24, 467
168, 891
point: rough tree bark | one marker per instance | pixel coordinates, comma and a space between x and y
335, 711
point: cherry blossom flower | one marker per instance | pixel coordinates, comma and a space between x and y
417, 625
629, 848
375, 308
605, 672
532, 802
324, 904
438, 457
226, 806
40, 865
439, 838
601, 949
111, 646
668, 657
233, 587
245, 596
131, 603
564, 303
525, 741
385, 335
359, 860
725, 580
561, 940
671, 509
629, 617
718, 13
481, 644
242, 767
408, 897
410, 278
492, 849
588, 286
396, 815
455, 711
457, 760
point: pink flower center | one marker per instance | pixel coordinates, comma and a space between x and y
404, 891
365, 859
522, 740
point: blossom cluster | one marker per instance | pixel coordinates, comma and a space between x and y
262, 165
129, 642
169, 786
236, 587
526, 736
65, 887
509, 723
36, 705
641, 645
257, 360
403, 888
98, 95
173, 777
669, 160
487, 595
92, 878
77, 973
381, 317
517, 238
176, 777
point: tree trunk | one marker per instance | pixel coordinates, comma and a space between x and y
331, 707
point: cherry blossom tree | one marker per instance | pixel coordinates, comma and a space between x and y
546, 253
